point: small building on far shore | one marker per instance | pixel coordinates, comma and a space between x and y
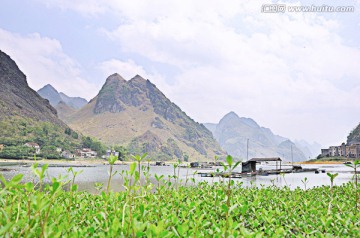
351, 150
325, 152
67, 154
33, 145
86, 153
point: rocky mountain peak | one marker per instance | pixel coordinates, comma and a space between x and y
235, 134
114, 77
50, 93
116, 95
231, 115
138, 79
138, 115
10, 72
49, 87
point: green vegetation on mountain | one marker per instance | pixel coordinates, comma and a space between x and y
354, 136
26, 117
17, 131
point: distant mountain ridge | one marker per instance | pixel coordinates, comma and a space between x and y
50, 93
136, 114
235, 134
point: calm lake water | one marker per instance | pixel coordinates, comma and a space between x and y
99, 173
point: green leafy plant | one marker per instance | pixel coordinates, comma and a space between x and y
305, 181
112, 159
355, 165
202, 209
138, 159
332, 178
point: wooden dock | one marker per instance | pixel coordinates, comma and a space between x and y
258, 173
220, 174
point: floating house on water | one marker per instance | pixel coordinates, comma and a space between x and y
250, 165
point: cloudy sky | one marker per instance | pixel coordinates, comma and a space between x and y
295, 73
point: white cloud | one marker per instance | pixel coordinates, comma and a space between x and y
44, 62
288, 71
287, 64
85, 7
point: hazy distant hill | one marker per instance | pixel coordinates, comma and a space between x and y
234, 133
50, 93
310, 150
137, 115
24, 115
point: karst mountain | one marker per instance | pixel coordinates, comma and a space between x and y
137, 115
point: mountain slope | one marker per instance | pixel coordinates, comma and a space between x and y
354, 135
310, 150
74, 102
239, 136
136, 114
64, 111
27, 117
18, 99
50, 93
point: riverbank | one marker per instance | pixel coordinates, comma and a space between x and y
320, 162
77, 162
329, 160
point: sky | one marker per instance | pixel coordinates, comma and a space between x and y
297, 73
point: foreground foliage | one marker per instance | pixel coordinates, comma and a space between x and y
168, 209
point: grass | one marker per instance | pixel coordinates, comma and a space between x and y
335, 159
168, 209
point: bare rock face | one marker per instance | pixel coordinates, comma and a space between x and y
135, 113
18, 99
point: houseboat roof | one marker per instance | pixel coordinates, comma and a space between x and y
265, 159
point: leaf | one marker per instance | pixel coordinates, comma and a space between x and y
112, 159
143, 156
132, 168
233, 207
229, 160
236, 164
16, 179
182, 229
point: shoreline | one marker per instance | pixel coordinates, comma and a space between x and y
320, 162
68, 163
98, 161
